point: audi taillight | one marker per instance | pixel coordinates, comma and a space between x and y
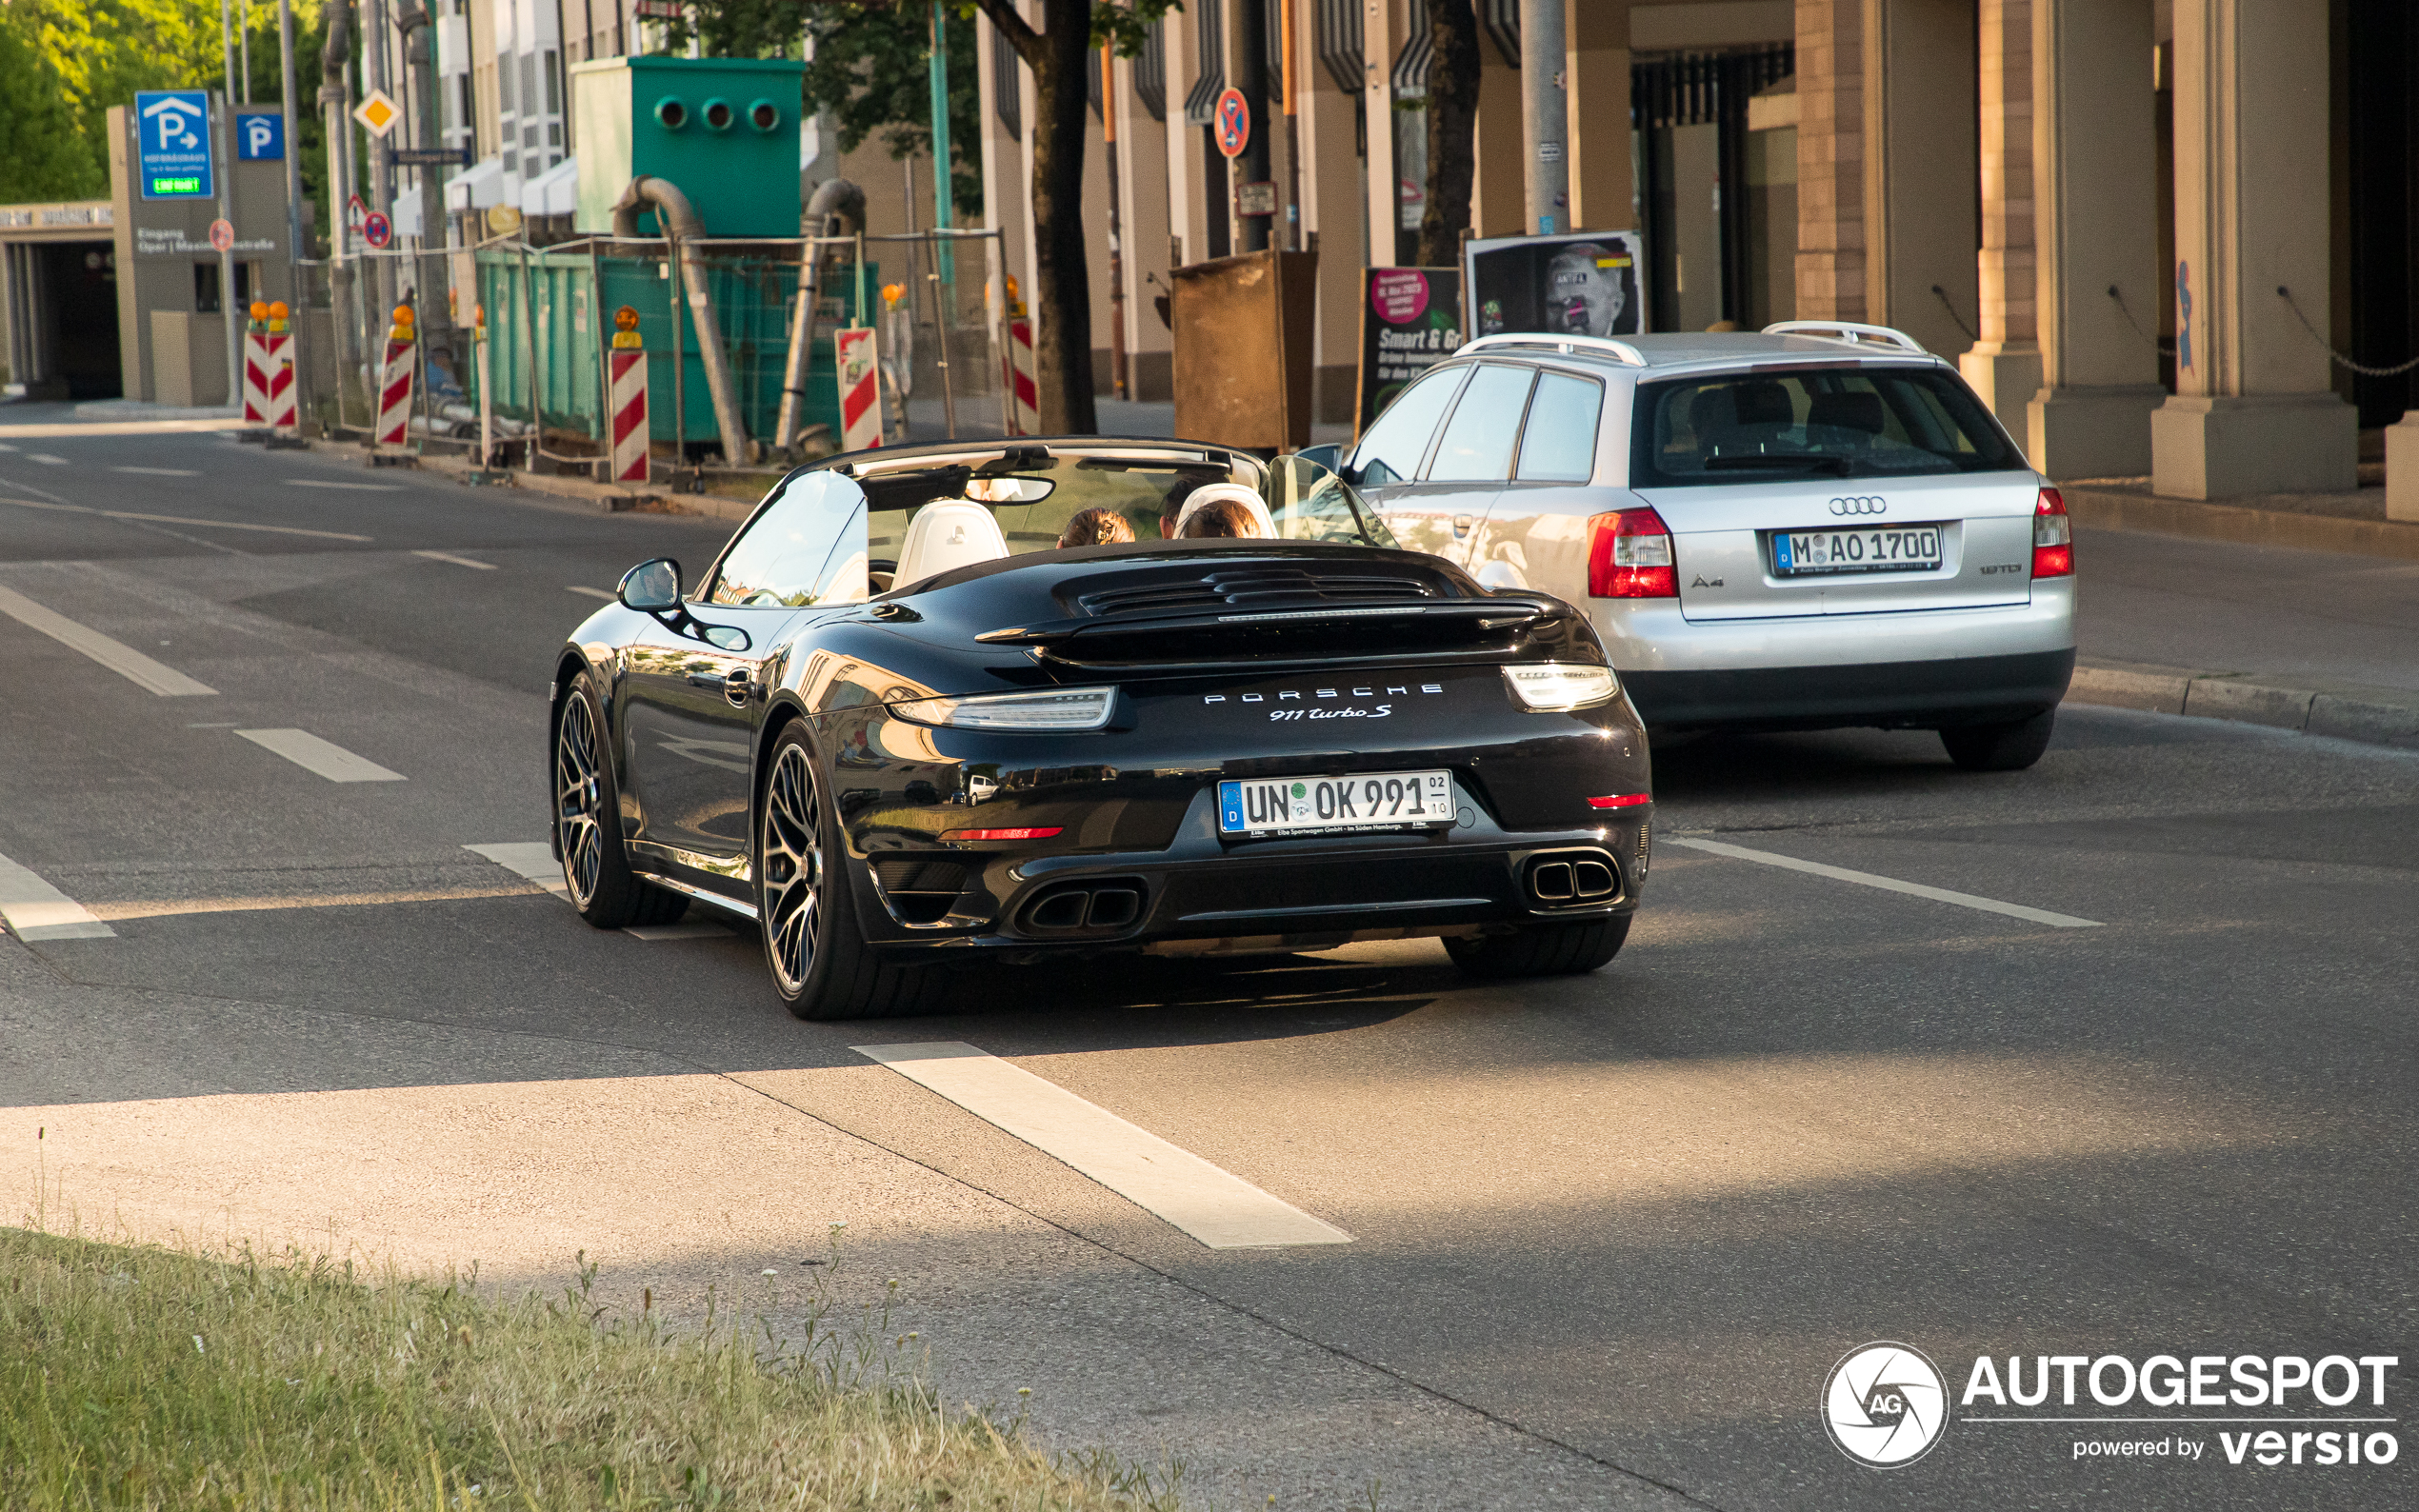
1629, 556
2052, 537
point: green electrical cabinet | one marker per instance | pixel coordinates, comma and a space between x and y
723, 130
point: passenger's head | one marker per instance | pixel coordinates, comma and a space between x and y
1096, 528
1220, 518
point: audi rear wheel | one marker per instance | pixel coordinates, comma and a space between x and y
2008, 748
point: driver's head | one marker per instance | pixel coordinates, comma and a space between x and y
1220, 519
1095, 528
1584, 295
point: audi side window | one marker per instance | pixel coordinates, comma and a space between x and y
1392, 449
1558, 445
808, 547
1476, 447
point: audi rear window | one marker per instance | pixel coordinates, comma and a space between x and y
1849, 422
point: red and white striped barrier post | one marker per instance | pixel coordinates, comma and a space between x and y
860, 388
1027, 408
256, 365
394, 382
626, 400
281, 395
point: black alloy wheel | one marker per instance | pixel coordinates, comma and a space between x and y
588, 826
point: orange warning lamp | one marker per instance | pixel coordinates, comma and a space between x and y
404, 316
277, 310
260, 310
626, 330
401, 329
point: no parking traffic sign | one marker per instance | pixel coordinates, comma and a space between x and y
376, 229
1231, 118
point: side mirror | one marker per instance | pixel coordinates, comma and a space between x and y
652, 587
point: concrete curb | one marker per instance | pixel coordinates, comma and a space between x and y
2093, 509
2380, 716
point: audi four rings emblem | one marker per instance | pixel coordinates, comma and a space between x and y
1864, 506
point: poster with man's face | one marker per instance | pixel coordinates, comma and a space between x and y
1582, 283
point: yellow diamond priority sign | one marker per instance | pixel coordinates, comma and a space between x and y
378, 114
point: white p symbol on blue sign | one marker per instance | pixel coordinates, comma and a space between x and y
259, 136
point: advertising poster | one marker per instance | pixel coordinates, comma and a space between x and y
1582, 284
1411, 320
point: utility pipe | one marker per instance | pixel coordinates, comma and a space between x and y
685, 230
838, 209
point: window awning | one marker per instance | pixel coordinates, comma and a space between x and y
556, 191
477, 188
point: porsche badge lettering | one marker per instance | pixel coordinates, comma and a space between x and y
1321, 694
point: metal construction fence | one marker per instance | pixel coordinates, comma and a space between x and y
549, 315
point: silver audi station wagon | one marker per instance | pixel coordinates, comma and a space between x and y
1813, 526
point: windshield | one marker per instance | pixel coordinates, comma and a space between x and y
826, 538
1812, 422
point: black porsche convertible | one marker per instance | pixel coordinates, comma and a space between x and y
902, 729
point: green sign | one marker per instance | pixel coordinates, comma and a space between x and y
161, 187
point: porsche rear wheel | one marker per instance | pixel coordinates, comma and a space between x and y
587, 827
821, 965
1542, 949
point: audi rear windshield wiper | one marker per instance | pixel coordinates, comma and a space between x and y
1779, 461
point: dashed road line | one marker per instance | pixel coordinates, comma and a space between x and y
325, 758
1213, 1205
117, 656
179, 519
358, 488
159, 473
35, 910
1867, 879
534, 859
45, 457
457, 561
594, 593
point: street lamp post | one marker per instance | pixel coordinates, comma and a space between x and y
1545, 117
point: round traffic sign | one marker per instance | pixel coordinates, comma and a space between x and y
222, 235
1232, 119
376, 229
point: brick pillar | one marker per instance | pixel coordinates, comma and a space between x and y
1920, 165
2095, 177
2004, 364
1831, 160
2254, 410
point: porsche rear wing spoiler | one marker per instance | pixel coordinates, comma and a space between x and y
1502, 612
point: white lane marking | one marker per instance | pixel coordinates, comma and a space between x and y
1215, 1206
116, 655
44, 456
160, 472
325, 758
677, 931
457, 561
361, 487
594, 593
534, 859
66, 431
1867, 879
178, 519
5, 446
36, 910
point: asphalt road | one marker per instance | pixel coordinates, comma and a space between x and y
1609, 1234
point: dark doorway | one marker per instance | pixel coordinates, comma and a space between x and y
78, 302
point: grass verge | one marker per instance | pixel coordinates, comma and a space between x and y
144, 1378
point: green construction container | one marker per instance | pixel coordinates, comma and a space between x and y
548, 306
724, 130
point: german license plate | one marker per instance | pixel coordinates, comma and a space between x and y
1277, 806
1893, 548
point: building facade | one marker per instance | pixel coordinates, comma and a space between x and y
2139, 226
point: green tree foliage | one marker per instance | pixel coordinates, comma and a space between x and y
43, 156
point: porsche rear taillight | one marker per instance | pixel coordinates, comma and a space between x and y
2052, 537
1629, 556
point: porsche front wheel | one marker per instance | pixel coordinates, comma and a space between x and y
588, 823
821, 965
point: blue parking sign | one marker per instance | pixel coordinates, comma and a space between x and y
173, 150
259, 138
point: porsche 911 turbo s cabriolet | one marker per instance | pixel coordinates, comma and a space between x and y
900, 728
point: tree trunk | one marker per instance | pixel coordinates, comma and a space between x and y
1063, 290
1453, 128
1058, 55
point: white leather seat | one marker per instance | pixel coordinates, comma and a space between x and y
948, 533
1235, 493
